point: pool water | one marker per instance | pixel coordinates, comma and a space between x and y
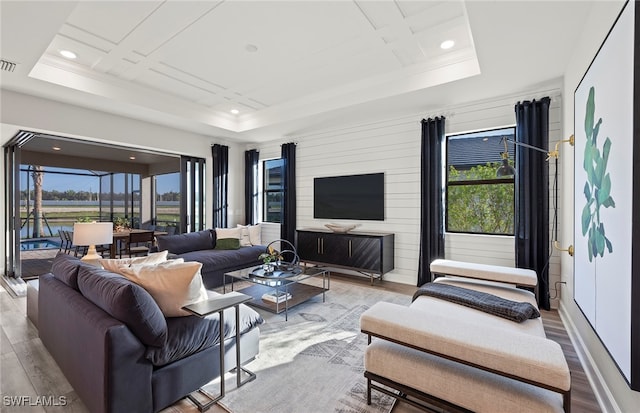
38, 244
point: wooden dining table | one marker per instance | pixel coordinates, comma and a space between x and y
124, 234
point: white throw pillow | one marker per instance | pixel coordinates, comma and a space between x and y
255, 234
222, 233
172, 285
250, 235
245, 241
153, 258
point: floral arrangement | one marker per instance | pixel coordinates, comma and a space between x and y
270, 255
120, 224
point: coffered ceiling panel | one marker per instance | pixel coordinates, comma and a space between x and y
254, 55
241, 66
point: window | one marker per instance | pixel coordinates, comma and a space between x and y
477, 200
273, 190
167, 200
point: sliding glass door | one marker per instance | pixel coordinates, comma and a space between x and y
12, 197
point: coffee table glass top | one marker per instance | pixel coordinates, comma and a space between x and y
276, 278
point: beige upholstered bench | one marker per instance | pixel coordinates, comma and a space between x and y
447, 355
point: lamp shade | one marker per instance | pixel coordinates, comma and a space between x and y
92, 233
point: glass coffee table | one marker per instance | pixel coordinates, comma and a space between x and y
268, 290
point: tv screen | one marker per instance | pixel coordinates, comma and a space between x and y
358, 197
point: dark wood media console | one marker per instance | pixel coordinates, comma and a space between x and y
366, 252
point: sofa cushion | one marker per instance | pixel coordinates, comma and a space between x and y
125, 301
153, 258
188, 335
181, 243
172, 284
225, 259
65, 268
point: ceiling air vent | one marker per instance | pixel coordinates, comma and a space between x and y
7, 66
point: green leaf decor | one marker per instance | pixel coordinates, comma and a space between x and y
597, 189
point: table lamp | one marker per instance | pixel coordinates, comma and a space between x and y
91, 234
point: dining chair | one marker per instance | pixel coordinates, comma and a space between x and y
63, 241
138, 243
68, 246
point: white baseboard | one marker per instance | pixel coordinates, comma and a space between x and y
600, 389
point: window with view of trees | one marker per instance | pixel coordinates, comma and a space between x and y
477, 200
273, 190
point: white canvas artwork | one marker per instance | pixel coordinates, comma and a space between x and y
603, 129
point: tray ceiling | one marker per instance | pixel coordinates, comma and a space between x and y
191, 63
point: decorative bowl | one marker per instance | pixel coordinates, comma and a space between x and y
340, 228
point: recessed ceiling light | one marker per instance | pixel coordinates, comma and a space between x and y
56, 148
485, 139
251, 48
68, 54
447, 44
132, 157
235, 111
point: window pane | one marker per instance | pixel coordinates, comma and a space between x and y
167, 211
273, 175
467, 152
478, 201
273, 206
273, 190
484, 208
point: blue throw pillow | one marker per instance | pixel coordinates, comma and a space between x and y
181, 243
65, 268
124, 301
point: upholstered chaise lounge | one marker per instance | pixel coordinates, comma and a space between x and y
441, 353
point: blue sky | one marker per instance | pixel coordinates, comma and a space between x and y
59, 182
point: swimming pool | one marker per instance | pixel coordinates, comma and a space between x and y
38, 244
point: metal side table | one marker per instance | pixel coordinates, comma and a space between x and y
217, 305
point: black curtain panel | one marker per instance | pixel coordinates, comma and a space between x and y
220, 154
250, 186
288, 224
431, 197
532, 193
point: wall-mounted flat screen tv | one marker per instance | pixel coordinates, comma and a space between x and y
358, 197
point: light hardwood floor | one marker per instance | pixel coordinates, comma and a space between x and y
27, 369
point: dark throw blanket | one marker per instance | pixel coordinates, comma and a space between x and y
489, 303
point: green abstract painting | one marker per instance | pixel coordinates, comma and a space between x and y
597, 188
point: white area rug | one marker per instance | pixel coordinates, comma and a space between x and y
313, 363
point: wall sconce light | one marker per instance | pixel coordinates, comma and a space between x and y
91, 234
507, 170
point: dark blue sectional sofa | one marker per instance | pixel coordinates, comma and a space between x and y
117, 349
201, 247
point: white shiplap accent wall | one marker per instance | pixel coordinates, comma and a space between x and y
392, 146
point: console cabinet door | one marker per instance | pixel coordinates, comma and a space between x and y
334, 249
322, 247
309, 246
364, 253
